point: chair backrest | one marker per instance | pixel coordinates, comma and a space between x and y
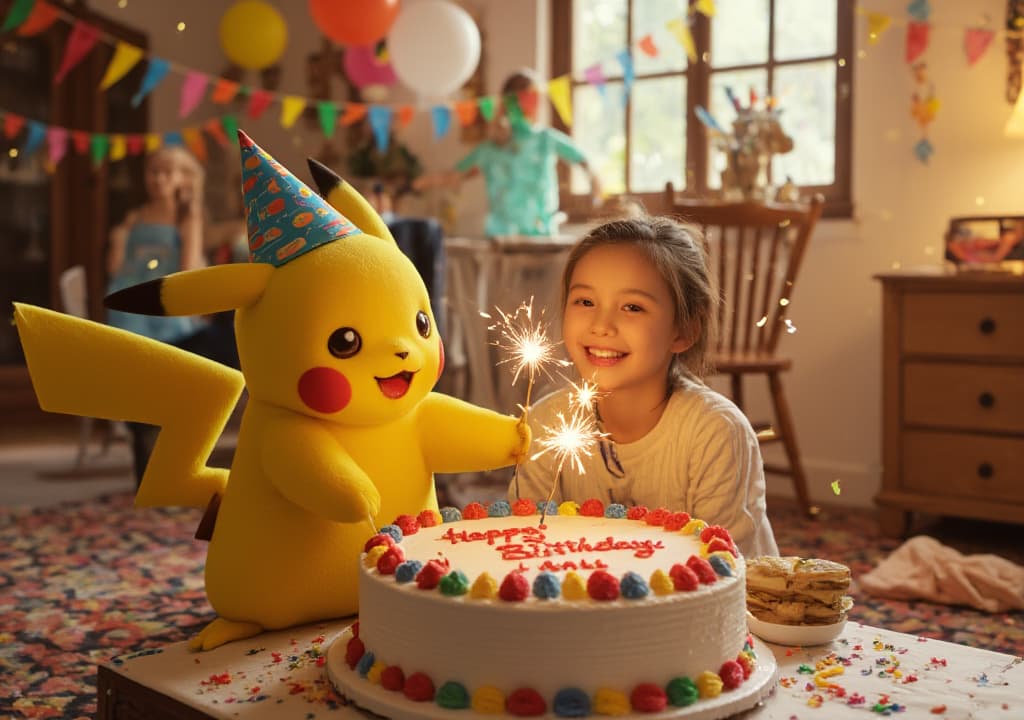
73, 291
754, 251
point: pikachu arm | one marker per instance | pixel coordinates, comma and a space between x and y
308, 465
457, 436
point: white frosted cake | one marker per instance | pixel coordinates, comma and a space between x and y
610, 612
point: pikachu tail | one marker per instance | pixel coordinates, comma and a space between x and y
81, 367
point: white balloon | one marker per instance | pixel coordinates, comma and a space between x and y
434, 47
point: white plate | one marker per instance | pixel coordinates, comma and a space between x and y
802, 635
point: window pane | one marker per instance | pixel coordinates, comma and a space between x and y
649, 18
658, 126
807, 97
739, 33
599, 123
805, 28
741, 83
599, 33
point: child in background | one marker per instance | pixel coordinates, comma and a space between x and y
518, 162
638, 307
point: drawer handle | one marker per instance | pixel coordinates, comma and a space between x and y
986, 399
987, 326
985, 470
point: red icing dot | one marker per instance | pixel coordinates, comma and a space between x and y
592, 508
602, 585
524, 506
637, 512
391, 559
715, 531
324, 390
705, 573
427, 518
514, 587
657, 517
430, 575
648, 697
746, 663
677, 521
419, 687
355, 629
407, 524
474, 511
683, 578
353, 651
525, 702
732, 674
718, 543
392, 678
382, 539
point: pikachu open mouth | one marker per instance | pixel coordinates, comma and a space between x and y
397, 385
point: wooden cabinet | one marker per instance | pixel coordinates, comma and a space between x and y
952, 397
52, 218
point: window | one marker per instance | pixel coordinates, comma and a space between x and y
797, 52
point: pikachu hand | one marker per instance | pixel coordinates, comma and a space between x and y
364, 500
525, 436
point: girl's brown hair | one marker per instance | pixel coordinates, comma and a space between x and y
677, 252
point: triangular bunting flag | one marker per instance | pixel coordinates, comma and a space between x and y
83, 36
705, 7
594, 75
259, 101
134, 143
174, 137
328, 114
195, 143
380, 123
647, 45
560, 94
976, 42
878, 23
291, 107
156, 71
224, 91
679, 28
80, 140
486, 105
57, 143
118, 147
43, 15
34, 138
153, 142
98, 145
466, 111
354, 112
13, 125
514, 110
442, 117
919, 9
626, 61
192, 89
230, 125
215, 129
405, 115
18, 14
917, 40
124, 59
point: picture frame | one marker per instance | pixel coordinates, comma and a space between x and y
992, 242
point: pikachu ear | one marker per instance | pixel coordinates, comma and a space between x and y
345, 199
195, 292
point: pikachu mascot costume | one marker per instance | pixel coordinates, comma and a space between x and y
339, 351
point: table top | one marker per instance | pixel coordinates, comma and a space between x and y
281, 675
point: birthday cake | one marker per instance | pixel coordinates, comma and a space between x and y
590, 610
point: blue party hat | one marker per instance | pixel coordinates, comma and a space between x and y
284, 218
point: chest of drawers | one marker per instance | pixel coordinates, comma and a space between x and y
952, 397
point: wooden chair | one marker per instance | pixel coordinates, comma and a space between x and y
755, 251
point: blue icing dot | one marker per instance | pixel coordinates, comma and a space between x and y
633, 586
721, 566
571, 702
365, 663
546, 586
406, 571
551, 505
451, 514
615, 510
393, 530
499, 508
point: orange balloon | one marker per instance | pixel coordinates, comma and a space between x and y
354, 22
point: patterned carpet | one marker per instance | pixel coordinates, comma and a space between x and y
87, 581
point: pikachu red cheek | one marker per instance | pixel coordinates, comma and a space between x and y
324, 390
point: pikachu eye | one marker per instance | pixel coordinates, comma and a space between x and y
423, 324
344, 342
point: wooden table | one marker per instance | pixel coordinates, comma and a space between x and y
277, 675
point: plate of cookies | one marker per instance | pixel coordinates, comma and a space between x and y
797, 601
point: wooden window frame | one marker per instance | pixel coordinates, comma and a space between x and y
838, 196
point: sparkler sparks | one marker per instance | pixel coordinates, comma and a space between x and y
570, 439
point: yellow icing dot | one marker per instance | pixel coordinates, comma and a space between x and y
661, 583
725, 555
573, 587
375, 671
610, 702
488, 700
484, 587
568, 508
370, 559
694, 527
709, 685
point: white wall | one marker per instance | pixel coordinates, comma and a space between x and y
902, 206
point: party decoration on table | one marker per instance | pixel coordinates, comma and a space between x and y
253, 34
340, 350
434, 47
354, 22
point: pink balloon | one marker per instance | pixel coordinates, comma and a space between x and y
363, 68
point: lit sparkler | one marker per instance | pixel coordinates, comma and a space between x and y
570, 439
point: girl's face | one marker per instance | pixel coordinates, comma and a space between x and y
164, 175
619, 322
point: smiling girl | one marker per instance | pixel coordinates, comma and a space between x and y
638, 309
